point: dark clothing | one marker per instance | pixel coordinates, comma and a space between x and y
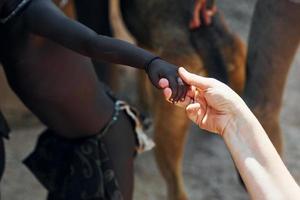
82, 169
74, 169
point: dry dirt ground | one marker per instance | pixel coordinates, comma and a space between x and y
208, 169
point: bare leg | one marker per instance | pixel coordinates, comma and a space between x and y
274, 39
223, 52
120, 142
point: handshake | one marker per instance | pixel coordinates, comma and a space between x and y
209, 103
215, 107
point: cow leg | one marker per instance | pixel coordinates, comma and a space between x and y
223, 52
170, 136
274, 39
170, 122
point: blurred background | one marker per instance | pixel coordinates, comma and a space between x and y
208, 169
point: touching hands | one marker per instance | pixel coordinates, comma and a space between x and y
159, 69
209, 103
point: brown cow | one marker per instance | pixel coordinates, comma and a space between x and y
163, 27
274, 40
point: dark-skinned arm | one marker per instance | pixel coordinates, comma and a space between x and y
43, 18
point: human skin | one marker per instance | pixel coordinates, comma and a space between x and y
40, 52
162, 27
202, 14
24, 75
213, 106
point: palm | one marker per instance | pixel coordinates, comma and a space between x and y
214, 121
215, 110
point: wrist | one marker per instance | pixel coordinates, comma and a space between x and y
242, 119
148, 64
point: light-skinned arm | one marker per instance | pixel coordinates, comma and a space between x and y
215, 107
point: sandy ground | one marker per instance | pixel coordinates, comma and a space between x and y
208, 169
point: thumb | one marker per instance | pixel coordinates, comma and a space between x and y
194, 80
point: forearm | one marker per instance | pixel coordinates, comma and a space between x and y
117, 51
260, 166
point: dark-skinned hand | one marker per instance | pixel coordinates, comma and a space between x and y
161, 69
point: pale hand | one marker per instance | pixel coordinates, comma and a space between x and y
209, 103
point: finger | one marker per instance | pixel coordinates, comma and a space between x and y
199, 95
192, 110
184, 88
163, 83
203, 12
192, 24
185, 91
209, 15
196, 113
187, 101
173, 85
214, 9
195, 21
207, 18
199, 98
192, 79
201, 114
180, 89
179, 94
167, 93
191, 92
